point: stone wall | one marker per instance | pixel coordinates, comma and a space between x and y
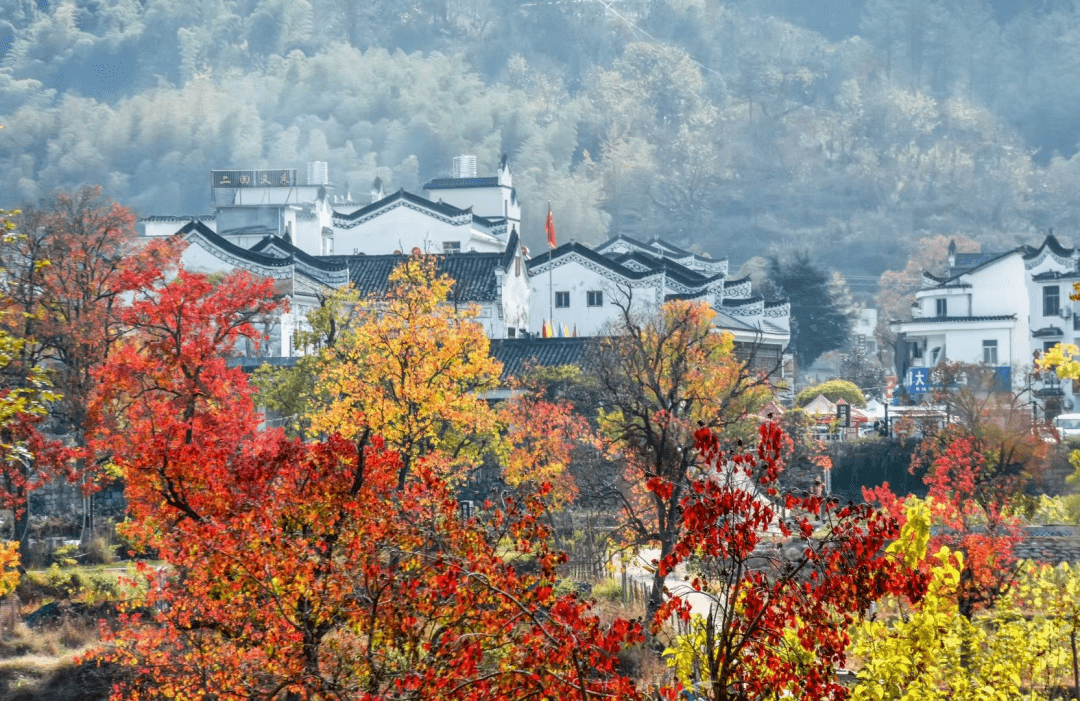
1050, 544
60, 503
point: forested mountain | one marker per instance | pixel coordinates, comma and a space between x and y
849, 129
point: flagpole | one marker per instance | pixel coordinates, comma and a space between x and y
551, 269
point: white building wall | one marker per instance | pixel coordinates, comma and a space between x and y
1000, 289
578, 281
485, 201
402, 229
515, 298
967, 345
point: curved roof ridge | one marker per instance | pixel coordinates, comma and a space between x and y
443, 208
231, 248
1051, 243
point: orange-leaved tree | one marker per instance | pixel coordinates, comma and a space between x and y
544, 436
414, 369
660, 379
310, 570
67, 274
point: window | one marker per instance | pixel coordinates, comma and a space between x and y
595, 298
990, 352
511, 333
451, 246
1047, 345
1051, 300
562, 300
942, 307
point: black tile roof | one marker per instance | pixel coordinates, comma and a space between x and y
676, 271
735, 283
964, 261
443, 208
1053, 244
970, 262
473, 273
517, 354
269, 243
942, 319
654, 244
658, 242
1056, 275
1047, 332
231, 248
687, 296
586, 252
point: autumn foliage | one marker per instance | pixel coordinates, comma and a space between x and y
660, 379
344, 567
313, 569
413, 369
785, 576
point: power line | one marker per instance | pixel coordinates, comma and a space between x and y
635, 27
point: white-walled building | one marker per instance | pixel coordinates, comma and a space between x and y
999, 309
495, 282
403, 222
253, 204
584, 291
299, 278
310, 243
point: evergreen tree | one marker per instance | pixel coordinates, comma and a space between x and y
819, 324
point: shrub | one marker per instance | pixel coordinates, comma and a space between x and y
833, 390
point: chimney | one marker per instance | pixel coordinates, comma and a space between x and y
463, 167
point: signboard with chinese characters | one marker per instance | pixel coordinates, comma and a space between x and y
253, 178
843, 415
918, 380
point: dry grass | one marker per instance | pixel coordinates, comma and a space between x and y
39, 661
69, 637
32, 659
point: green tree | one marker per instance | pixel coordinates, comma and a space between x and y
818, 322
833, 390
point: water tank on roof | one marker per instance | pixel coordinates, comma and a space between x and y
318, 173
464, 167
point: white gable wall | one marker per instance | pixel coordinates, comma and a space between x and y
403, 228
485, 201
572, 276
515, 298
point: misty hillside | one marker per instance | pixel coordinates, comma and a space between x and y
848, 129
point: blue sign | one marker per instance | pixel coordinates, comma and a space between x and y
1003, 378
918, 380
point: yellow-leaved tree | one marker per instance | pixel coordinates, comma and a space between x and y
1024, 648
414, 369
23, 394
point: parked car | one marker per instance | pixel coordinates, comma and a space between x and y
1067, 425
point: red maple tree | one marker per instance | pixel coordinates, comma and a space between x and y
75, 260
976, 468
306, 570
784, 576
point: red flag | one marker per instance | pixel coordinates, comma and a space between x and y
549, 227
